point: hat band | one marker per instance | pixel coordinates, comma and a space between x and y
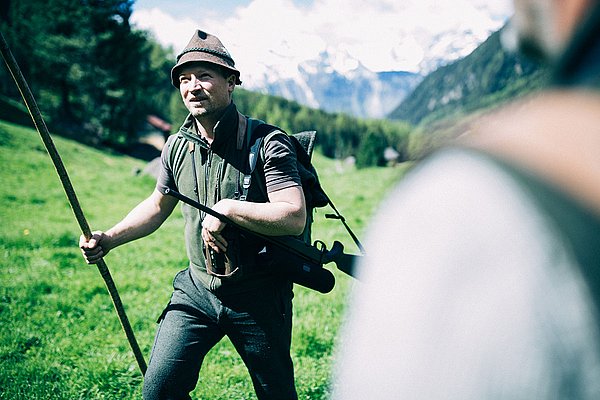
217, 53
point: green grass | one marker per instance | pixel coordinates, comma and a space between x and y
60, 337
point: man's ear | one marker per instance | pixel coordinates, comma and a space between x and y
231, 82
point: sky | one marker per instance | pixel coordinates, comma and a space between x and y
383, 35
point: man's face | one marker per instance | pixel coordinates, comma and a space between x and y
205, 91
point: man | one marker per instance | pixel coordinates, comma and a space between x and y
206, 161
495, 289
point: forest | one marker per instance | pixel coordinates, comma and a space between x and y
96, 78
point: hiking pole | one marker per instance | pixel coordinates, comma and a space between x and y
40, 125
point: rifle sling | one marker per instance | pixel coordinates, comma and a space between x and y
278, 241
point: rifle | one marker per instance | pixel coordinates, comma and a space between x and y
309, 272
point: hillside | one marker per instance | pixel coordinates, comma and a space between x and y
60, 337
487, 76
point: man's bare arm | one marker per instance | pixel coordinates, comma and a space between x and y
144, 219
284, 214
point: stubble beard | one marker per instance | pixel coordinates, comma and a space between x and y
208, 114
208, 107
203, 110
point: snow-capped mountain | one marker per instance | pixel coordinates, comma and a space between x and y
304, 53
335, 82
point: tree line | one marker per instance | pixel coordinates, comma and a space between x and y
96, 78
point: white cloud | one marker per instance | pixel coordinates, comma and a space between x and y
382, 34
164, 27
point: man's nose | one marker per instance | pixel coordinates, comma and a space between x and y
196, 83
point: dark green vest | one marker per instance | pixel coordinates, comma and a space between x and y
219, 171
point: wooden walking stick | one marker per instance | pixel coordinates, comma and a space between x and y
72, 197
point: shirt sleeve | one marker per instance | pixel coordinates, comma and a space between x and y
165, 173
280, 166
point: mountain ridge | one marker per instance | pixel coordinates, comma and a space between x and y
321, 83
489, 75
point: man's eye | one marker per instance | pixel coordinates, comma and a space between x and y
183, 79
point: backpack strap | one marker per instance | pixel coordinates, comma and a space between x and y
253, 156
342, 219
176, 152
259, 130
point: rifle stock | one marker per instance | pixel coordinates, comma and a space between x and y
315, 256
343, 261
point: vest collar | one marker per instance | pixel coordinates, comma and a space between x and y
226, 127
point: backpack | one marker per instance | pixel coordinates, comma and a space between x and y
315, 197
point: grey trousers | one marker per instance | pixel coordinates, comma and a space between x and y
258, 323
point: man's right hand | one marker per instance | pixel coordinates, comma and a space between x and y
95, 248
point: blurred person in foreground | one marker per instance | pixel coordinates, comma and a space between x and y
493, 288
250, 304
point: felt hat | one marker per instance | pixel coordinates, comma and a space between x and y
206, 48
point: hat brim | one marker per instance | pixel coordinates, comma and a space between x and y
198, 56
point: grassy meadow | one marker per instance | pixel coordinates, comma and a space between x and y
60, 337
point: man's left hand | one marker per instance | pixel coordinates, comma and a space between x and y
212, 228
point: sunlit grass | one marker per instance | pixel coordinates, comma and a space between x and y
60, 337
